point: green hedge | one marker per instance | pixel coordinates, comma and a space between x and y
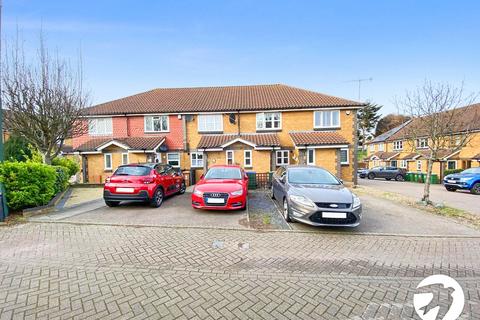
450, 171
62, 176
29, 184
72, 165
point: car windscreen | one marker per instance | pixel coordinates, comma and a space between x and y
224, 173
471, 171
311, 176
132, 171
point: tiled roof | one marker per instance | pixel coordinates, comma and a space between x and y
316, 138
207, 99
468, 119
476, 157
258, 139
133, 143
425, 153
384, 155
384, 136
409, 156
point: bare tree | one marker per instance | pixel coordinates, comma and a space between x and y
442, 119
44, 98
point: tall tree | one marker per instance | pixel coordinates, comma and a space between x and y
17, 148
389, 122
367, 120
442, 118
45, 97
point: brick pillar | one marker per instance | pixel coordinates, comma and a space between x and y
339, 164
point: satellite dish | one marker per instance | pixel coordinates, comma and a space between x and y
232, 118
163, 148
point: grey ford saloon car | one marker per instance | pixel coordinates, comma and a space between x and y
314, 196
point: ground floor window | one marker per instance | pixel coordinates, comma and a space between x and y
196, 159
344, 156
282, 157
403, 164
108, 161
230, 157
393, 163
419, 165
311, 157
173, 159
125, 158
451, 165
247, 158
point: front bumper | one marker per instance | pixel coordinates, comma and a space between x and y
458, 185
314, 217
231, 202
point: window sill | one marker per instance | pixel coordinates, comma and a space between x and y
269, 130
150, 132
108, 170
210, 131
344, 164
326, 128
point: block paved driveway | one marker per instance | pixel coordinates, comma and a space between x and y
60, 270
460, 199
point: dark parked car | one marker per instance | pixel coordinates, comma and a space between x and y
466, 180
314, 196
387, 173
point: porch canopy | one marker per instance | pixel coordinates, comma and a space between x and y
131, 144
385, 156
258, 141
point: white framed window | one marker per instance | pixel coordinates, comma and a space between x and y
394, 163
422, 143
419, 165
344, 156
100, 126
451, 164
230, 157
125, 158
173, 159
156, 123
311, 157
196, 159
282, 157
210, 123
107, 157
398, 145
381, 147
372, 147
247, 158
326, 119
403, 164
269, 121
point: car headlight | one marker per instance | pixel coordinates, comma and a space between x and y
466, 179
302, 200
237, 192
356, 202
197, 192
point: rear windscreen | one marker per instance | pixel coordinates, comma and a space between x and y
132, 171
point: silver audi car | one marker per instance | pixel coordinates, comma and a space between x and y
314, 196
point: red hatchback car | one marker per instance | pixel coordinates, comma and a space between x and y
223, 187
148, 182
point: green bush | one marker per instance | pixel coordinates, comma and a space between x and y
450, 171
62, 176
28, 184
72, 165
17, 149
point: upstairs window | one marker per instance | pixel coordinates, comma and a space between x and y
422, 143
381, 147
326, 119
398, 145
210, 123
372, 147
100, 126
156, 123
269, 121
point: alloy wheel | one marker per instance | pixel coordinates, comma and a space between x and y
159, 197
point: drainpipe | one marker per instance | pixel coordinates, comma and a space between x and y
238, 122
184, 125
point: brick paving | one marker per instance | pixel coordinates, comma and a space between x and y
63, 271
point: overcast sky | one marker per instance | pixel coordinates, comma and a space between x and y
134, 46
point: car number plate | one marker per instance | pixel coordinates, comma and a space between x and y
215, 200
125, 190
451, 181
335, 215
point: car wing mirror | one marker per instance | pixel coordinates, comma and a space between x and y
202, 176
341, 181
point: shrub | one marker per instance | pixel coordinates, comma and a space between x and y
17, 149
72, 165
27, 184
450, 171
62, 175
